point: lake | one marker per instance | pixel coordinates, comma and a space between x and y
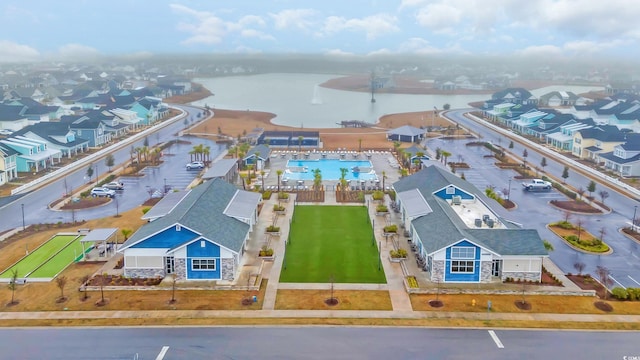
298, 101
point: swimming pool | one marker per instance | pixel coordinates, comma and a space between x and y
330, 169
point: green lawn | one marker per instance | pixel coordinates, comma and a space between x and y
38, 256
59, 262
328, 240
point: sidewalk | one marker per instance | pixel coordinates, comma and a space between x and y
311, 314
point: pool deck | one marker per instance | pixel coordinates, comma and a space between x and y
381, 161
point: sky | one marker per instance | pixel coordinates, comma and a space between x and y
36, 30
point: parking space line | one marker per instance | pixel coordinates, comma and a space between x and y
632, 279
162, 353
495, 339
617, 282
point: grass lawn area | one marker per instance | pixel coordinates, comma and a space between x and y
38, 256
62, 259
331, 240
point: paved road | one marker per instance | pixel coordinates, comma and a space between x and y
136, 189
534, 212
313, 343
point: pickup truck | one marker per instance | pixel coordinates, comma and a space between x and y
536, 185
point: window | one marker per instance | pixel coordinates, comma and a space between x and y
203, 264
463, 252
451, 190
458, 266
178, 227
203, 244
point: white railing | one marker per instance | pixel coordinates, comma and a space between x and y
98, 155
610, 180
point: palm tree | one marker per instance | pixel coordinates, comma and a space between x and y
279, 173
206, 153
384, 177
343, 178
262, 178
445, 155
317, 179
300, 142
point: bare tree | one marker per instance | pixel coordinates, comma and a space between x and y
603, 195
173, 289
579, 266
567, 216
604, 275
61, 282
13, 283
84, 280
580, 191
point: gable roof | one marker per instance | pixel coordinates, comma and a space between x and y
406, 130
262, 149
202, 211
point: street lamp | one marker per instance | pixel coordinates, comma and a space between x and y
509, 190
96, 174
164, 190
23, 226
633, 220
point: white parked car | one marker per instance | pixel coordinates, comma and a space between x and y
195, 165
102, 192
114, 185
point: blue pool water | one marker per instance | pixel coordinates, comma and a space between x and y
330, 169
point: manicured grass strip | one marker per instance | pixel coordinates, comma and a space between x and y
38, 256
60, 261
331, 240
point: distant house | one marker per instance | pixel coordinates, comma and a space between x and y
560, 98
33, 155
13, 117
589, 143
57, 135
226, 169
90, 128
8, 164
625, 158
406, 133
515, 96
416, 154
202, 238
458, 238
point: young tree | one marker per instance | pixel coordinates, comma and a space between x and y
384, 177
317, 180
84, 280
580, 192
565, 174
13, 283
547, 245
591, 188
543, 163
300, 138
109, 161
90, 172
173, 289
603, 195
262, 172
61, 282
511, 145
445, 155
604, 274
359, 145
579, 266
126, 233
525, 153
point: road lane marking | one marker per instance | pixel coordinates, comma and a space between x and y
163, 352
495, 339
617, 282
632, 279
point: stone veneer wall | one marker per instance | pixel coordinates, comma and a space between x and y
532, 276
437, 272
227, 269
485, 271
144, 273
180, 269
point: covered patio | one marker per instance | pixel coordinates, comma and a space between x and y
103, 242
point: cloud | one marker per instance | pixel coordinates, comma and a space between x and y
338, 52
302, 19
78, 52
206, 28
12, 52
439, 17
373, 26
540, 52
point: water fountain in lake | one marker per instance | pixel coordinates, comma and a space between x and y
316, 100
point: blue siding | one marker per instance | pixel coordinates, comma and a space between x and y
209, 251
167, 239
457, 277
443, 194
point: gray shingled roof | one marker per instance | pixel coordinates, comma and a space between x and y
443, 227
406, 130
202, 211
220, 168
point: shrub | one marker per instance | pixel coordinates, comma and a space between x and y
392, 195
620, 293
283, 195
564, 225
398, 254
382, 208
278, 207
266, 251
391, 228
266, 195
361, 196
272, 228
378, 195
145, 210
634, 294
412, 281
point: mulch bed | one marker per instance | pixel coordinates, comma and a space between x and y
117, 280
508, 204
601, 305
523, 305
436, 303
586, 282
310, 196
631, 233
576, 206
331, 301
348, 196
85, 203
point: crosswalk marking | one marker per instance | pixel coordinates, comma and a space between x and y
495, 339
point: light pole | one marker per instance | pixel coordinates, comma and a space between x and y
164, 190
23, 226
96, 174
633, 220
509, 190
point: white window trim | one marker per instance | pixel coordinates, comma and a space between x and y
473, 266
473, 257
215, 264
